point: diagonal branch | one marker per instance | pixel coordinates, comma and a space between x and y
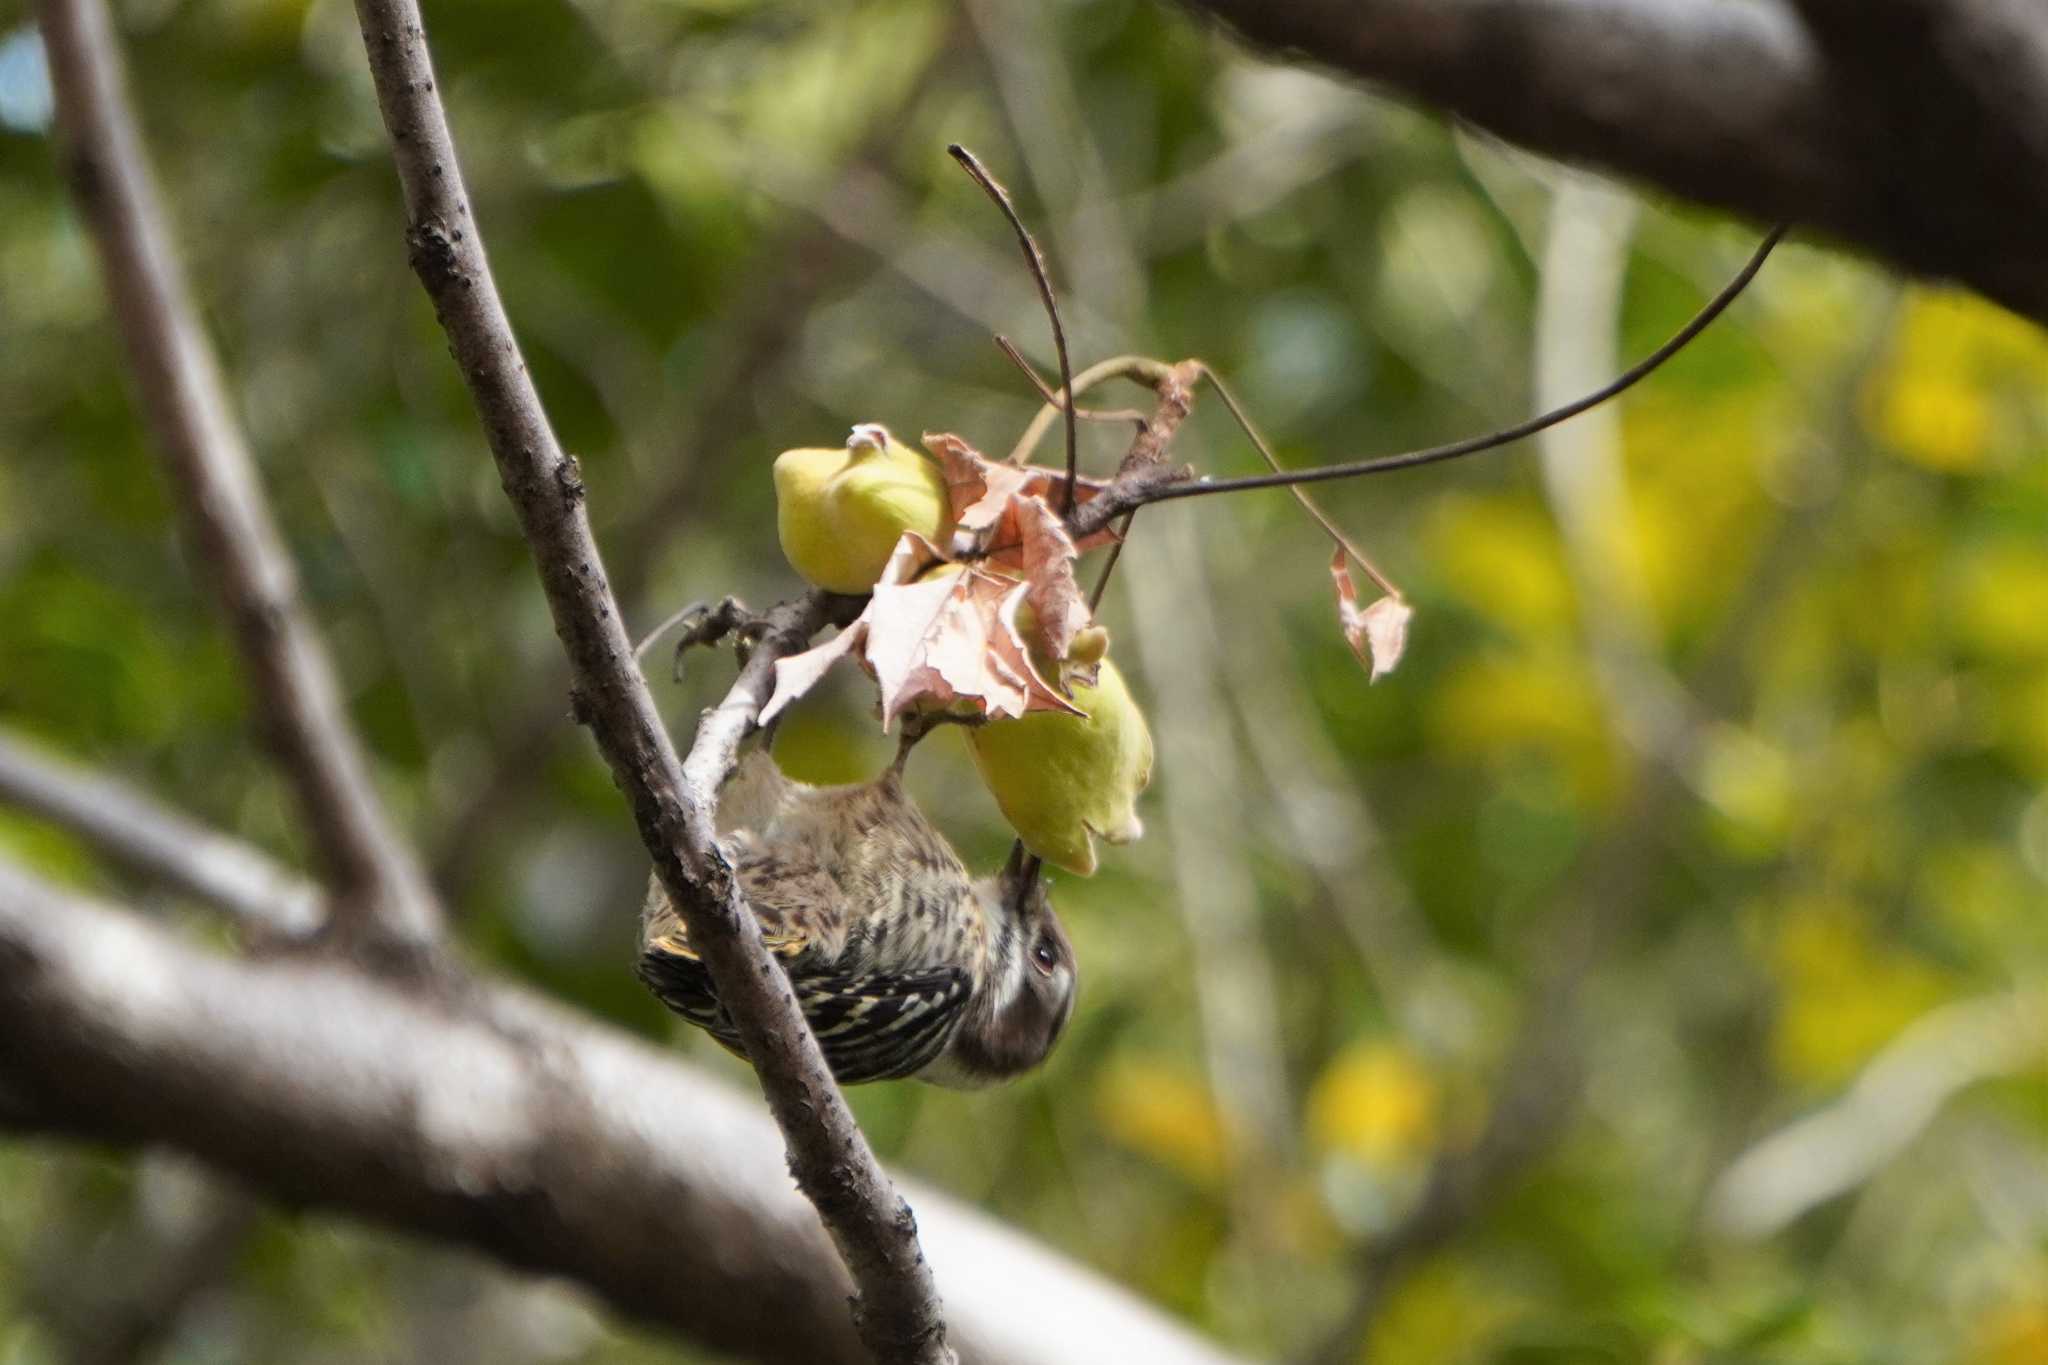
497, 1120
381, 900
156, 842
898, 1314
1907, 128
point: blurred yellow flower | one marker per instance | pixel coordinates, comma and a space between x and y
1955, 362
1751, 785
1507, 706
1934, 418
1443, 1315
1159, 1111
2021, 708
2000, 603
1501, 557
1844, 992
1376, 1102
1694, 498
2015, 1334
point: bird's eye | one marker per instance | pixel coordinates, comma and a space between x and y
1046, 955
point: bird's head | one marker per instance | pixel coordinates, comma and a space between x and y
1030, 989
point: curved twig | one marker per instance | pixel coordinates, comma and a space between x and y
1097, 511
1035, 259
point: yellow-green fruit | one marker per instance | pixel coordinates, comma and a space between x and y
840, 512
1062, 779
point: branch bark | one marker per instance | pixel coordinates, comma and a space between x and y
498, 1121
898, 1314
380, 897
1907, 128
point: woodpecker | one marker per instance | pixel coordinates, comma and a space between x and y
903, 964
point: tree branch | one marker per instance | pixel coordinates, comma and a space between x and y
765, 321
381, 900
156, 842
1738, 106
898, 1314
498, 1121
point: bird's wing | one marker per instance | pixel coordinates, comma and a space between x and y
882, 1028
870, 1027
786, 901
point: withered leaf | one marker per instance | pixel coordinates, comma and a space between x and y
1378, 632
1030, 541
980, 488
932, 635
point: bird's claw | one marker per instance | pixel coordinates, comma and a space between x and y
707, 624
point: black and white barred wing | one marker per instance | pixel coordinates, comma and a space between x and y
876, 1028
871, 1028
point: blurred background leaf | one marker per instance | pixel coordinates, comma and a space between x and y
725, 228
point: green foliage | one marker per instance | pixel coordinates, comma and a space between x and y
1776, 701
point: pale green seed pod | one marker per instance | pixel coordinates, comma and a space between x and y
839, 512
1061, 780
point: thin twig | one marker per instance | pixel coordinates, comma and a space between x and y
1045, 391
381, 898
1116, 552
1174, 387
1098, 511
674, 619
1139, 369
157, 842
898, 1314
1035, 258
1259, 443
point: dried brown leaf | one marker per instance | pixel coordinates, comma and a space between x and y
1378, 632
948, 639
1030, 542
980, 488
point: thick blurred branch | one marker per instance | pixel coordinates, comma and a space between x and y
898, 1313
1894, 1100
380, 897
1913, 129
156, 842
497, 1121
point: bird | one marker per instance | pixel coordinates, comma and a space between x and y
904, 965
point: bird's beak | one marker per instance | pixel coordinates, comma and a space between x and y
1019, 875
